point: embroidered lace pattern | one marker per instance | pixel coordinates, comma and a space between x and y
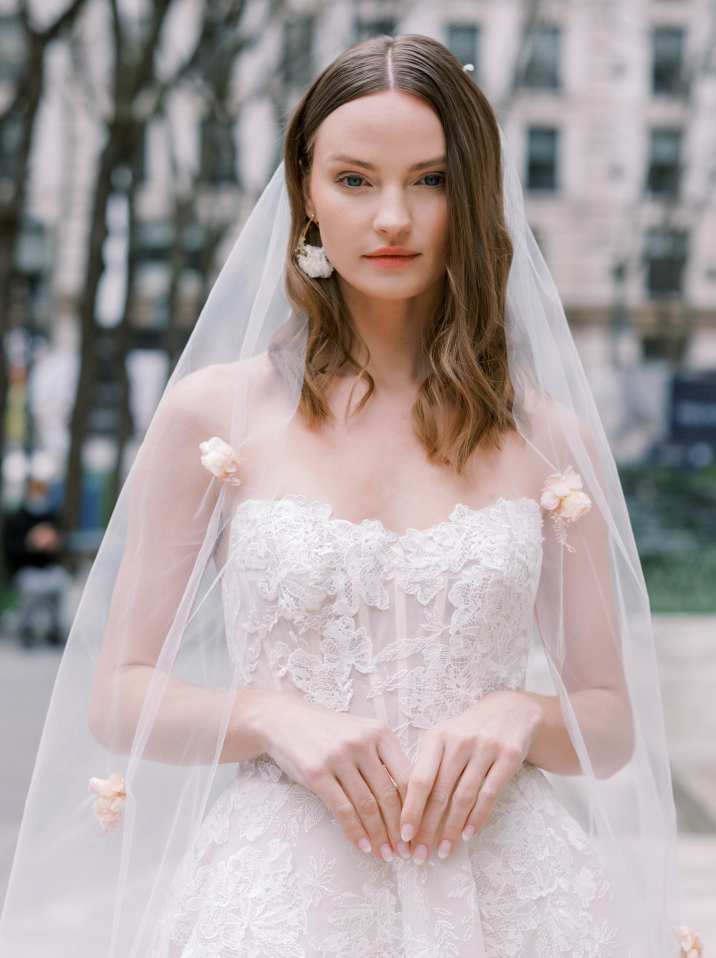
411, 629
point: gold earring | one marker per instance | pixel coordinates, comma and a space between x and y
311, 219
312, 259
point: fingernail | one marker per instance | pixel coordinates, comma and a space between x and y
386, 852
364, 844
420, 854
444, 849
407, 832
404, 849
468, 831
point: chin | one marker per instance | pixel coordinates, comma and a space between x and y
390, 286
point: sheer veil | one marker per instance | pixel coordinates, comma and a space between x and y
157, 651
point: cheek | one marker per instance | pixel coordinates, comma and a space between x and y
338, 214
342, 224
345, 230
439, 230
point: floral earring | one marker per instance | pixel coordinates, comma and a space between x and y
312, 259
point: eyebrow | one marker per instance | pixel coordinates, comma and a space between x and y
369, 166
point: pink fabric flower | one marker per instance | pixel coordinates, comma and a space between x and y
691, 943
111, 798
562, 496
220, 459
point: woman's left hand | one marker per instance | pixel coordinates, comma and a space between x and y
462, 766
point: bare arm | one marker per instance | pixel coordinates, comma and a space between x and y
577, 616
146, 667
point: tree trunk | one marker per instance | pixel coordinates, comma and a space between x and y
111, 157
122, 344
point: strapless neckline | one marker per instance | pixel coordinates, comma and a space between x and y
459, 511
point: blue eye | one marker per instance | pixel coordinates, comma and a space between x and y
351, 176
355, 176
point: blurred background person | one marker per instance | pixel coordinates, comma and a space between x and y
33, 548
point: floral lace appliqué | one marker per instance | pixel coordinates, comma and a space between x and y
411, 629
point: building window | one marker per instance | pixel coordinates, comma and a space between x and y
298, 33
542, 146
10, 141
665, 260
13, 47
664, 162
373, 28
667, 60
153, 274
218, 151
139, 160
542, 67
463, 40
31, 256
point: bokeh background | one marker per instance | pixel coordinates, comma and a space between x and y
135, 137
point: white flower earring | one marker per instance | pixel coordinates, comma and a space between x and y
312, 259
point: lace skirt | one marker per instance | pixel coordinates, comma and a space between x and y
271, 875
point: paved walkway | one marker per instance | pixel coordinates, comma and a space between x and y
686, 649
687, 655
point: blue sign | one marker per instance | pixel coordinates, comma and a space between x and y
693, 411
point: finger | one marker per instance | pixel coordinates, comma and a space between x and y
399, 767
396, 761
420, 785
436, 806
386, 792
495, 780
462, 801
330, 790
366, 805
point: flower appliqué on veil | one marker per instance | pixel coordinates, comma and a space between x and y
691, 943
111, 798
220, 459
562, 495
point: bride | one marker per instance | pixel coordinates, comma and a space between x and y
376, 469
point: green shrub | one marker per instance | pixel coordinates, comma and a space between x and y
673, 513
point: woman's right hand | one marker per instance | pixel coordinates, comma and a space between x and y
346, 760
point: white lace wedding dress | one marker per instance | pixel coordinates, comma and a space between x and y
412, 630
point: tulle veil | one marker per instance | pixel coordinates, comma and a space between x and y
155, 655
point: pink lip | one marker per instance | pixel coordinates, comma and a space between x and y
392, 251
392, 257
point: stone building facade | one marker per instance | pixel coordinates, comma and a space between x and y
608, 106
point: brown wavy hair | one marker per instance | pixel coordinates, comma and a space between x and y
466, 396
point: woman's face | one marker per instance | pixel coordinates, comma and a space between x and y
378, 180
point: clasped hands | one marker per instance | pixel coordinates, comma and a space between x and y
382, 802
462, 767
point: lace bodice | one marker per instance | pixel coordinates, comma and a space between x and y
409, 628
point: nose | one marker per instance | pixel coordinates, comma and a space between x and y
392, 217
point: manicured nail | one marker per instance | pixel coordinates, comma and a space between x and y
364, 844
468, 831
404, 850
407, 832
386, 852
420, 854
444, 849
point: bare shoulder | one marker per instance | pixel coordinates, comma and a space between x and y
561, 436
554, 425
209, 395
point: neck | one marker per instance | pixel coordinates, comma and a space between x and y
392, 332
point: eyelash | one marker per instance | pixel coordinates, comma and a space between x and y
346, 175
